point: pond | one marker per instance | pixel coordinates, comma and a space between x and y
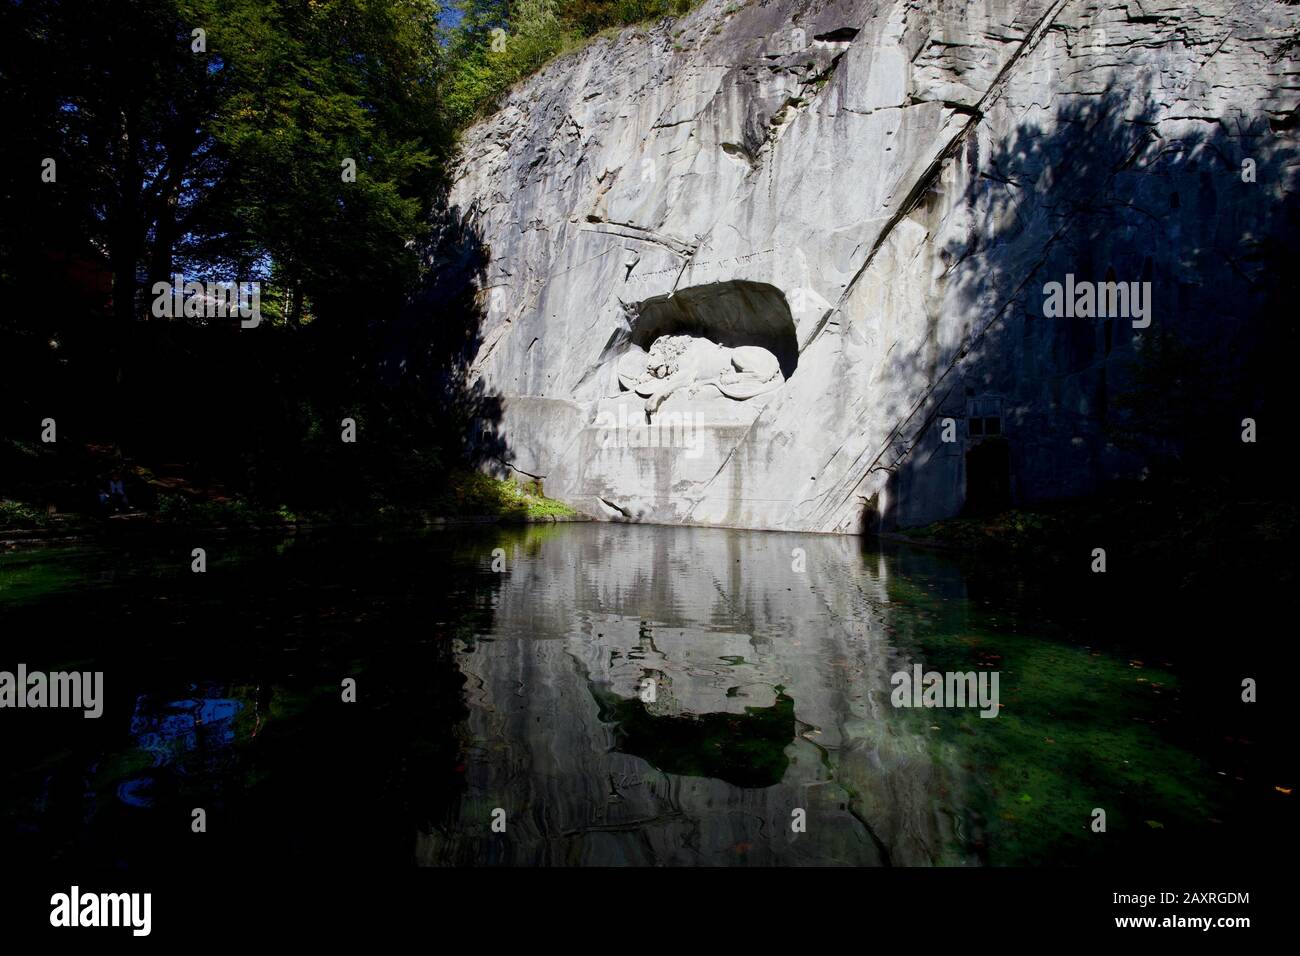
599, 694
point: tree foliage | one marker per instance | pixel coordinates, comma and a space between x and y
226, 159
535, 31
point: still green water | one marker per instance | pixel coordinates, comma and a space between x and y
624, 694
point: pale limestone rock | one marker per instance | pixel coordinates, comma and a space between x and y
875, 192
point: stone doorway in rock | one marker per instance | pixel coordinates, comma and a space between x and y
988, 477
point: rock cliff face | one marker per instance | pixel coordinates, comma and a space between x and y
858, 206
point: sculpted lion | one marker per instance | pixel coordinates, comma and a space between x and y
677, 362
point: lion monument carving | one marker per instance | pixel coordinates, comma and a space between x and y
676, 362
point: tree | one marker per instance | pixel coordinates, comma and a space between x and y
221, 151
112, 92
320, 92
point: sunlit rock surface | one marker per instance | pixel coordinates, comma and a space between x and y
875, 192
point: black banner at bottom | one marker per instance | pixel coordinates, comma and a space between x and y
528, 904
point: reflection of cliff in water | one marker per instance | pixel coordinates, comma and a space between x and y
644, 700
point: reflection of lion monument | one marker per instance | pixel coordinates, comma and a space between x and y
686, 361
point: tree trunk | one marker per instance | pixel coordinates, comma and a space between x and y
294, 293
